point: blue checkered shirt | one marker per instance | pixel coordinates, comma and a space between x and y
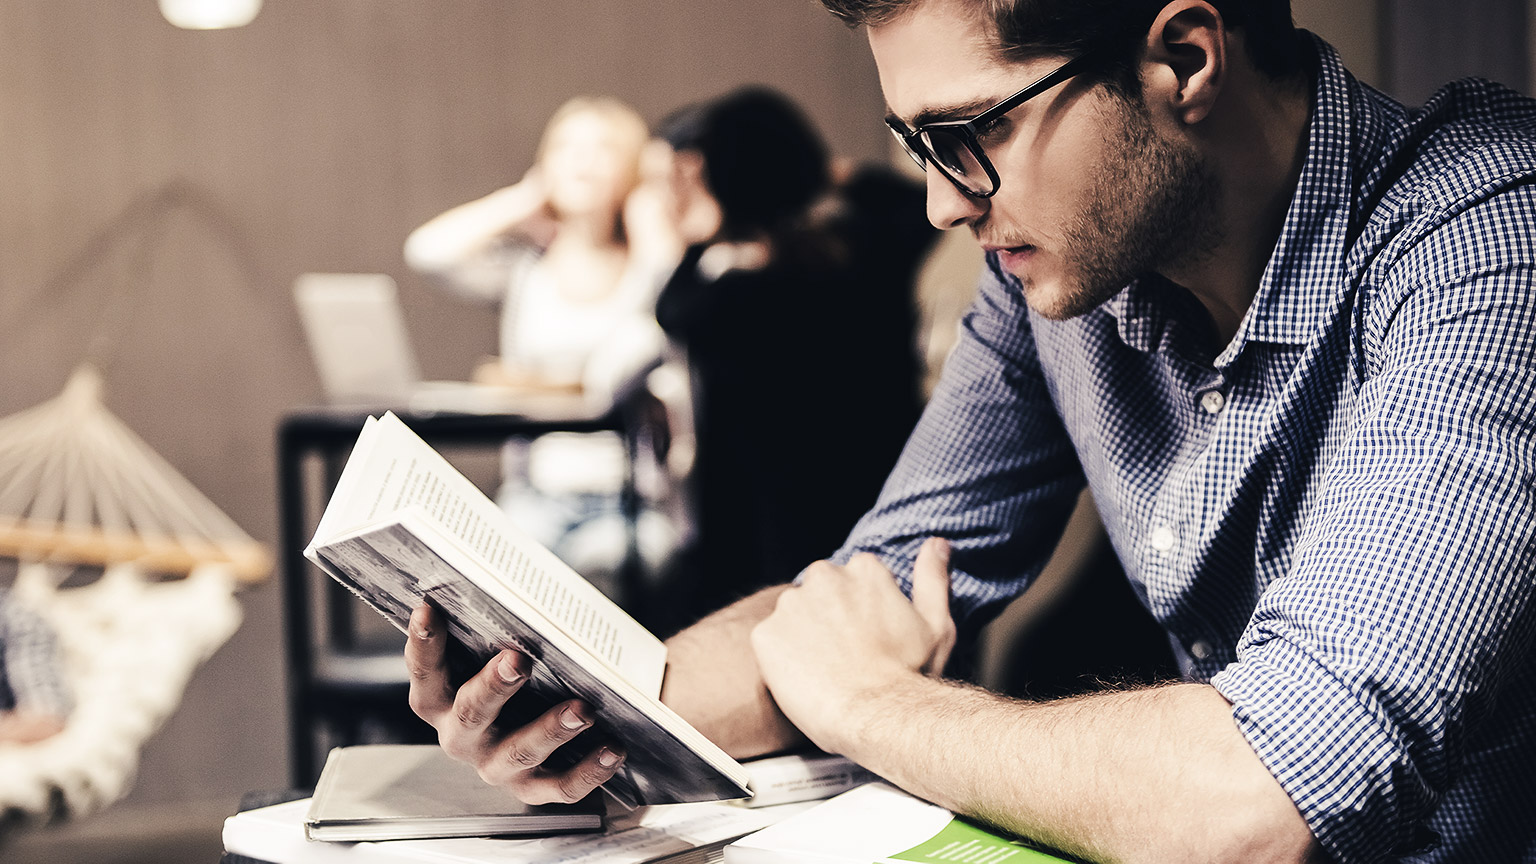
1333, 518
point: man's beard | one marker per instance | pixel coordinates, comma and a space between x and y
1151, 206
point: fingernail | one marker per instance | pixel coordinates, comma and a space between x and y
571, 718
607, 758
507, 669
419, 626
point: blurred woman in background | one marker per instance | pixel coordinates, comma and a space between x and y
555, 248
575, 259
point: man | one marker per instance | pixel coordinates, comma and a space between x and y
1284, 330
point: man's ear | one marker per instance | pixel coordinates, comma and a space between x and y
1186, 60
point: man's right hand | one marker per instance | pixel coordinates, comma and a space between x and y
465, 720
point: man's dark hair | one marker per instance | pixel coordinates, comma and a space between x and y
1026, 28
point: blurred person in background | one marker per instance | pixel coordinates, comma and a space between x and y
794, 305
575, 257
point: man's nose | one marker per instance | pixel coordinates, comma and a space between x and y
948, 207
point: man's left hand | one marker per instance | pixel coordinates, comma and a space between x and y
848, 630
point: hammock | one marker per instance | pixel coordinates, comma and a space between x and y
78, 488
77, 485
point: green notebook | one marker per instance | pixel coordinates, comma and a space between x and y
879, 824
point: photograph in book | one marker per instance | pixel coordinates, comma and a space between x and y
488, 583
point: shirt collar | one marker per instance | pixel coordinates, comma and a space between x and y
1136, 317
1143, 313
1300, 285
1306, 272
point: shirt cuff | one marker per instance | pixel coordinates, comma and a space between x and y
1334, 755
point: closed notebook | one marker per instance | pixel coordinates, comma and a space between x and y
414, 791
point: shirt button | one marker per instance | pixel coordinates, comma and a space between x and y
1163, 538
1212, 401
1200, 649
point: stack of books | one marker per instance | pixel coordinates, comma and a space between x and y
665, 834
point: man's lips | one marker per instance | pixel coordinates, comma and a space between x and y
1022, 247
1010, 256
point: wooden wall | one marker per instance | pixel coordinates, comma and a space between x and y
314, 139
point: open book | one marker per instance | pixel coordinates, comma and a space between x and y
404, 525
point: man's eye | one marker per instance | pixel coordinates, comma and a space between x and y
995, 129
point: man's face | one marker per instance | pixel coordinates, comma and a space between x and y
1091, 194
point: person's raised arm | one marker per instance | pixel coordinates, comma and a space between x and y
455, 235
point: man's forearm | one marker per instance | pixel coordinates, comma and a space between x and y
1150, 775
713, 681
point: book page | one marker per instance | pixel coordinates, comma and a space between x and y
397, 470
347, 507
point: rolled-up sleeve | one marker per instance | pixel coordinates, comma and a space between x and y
1373, 664
989, 466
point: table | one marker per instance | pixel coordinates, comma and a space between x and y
331, 677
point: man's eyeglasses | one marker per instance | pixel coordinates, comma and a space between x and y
954, 146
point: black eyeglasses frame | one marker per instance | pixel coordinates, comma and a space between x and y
967, 131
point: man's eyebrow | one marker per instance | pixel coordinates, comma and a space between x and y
942, 113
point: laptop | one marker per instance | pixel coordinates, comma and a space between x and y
357, 337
